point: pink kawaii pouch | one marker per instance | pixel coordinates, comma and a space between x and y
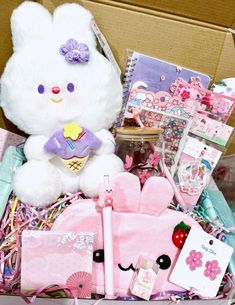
142, 225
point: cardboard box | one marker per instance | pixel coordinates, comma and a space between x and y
189, 33
7, 300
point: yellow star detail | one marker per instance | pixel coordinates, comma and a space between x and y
72, 131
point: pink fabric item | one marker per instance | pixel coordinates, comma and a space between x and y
135, 232
57, 258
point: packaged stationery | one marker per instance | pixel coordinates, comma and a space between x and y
212, 111
211, 130
225, 86
214, 105
196, 164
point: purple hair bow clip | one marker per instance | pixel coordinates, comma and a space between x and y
75, 52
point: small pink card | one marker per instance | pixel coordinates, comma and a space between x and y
211, 130
7, 139
54, 258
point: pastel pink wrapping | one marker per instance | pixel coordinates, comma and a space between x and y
7, 139
134, 233
51, 258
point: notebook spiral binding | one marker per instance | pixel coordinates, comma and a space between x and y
127, 78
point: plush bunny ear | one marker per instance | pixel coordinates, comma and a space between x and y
29, 21
127, 193
156, 196
74, 21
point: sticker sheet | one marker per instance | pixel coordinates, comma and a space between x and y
175, 130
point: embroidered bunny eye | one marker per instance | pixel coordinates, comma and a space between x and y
164, 262
70, 87
98, 256
41, 89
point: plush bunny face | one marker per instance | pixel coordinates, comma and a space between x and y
144, 227
40, 90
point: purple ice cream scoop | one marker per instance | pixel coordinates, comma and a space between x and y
66, 148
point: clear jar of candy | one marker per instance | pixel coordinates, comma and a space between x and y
137, 147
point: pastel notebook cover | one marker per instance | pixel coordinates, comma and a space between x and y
211, 130
193, 150
142, 225
57, 258
7, 139
149, 71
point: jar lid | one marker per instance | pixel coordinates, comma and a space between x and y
135, 131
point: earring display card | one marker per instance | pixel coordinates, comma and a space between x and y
202, 264
53, 258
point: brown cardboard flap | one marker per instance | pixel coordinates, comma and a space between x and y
190, 45
220, 12
6, 8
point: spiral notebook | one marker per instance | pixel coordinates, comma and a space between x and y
155, 76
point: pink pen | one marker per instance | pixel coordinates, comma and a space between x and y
167, 173
106, 202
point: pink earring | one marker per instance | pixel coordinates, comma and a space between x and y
194, 260
212, 270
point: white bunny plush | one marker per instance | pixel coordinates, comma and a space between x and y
60, 90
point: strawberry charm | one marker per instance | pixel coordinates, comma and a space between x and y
180, 234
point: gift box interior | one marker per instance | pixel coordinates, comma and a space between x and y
197, 35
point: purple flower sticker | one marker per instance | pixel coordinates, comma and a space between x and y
194, 260
212, 270
75, 52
